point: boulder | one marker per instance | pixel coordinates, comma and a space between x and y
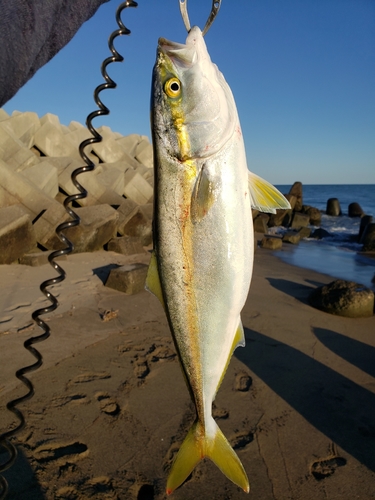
271, 242
296, 190
333, 207
355, 210
17, 234
320, 233
292, 237
344, 298
129, 279
368, 238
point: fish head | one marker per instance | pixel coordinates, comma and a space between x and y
193, 110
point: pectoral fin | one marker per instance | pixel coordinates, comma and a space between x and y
153, 284
265, 197
203, 196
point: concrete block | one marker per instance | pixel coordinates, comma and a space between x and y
44, 176
16, 189
144, 153
129, 279
23, 158
23, 126
98, 226
126, 245
292, 237
51, 141
260, 223
148, 210
271, 242
45, 226
135, 223
73, 125
86, 179
130, 143
50, 118
300, 220
112, 178
36, 259
17, 235
109, 150
3, 114
304, 232
137, 188
9, 144
106, 132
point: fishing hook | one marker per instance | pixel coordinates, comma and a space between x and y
185, 16
28, 344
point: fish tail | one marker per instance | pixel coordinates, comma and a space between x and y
213, 444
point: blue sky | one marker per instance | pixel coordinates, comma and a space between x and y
302, 73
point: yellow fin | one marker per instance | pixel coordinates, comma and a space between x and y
202, 197
215, 446
153, 284
238, 341
265, 197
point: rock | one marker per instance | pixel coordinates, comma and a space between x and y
365, 220
355, 210
17, 234
280, 218
292, 237
368, 238
304, 232
344, 298
129, 279
333, 207
299, 220
320, 233
126, 245
314, 214
296, 190
98, 226
271, 242
260, 223
292, 200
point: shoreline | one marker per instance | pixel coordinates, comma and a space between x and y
111, 407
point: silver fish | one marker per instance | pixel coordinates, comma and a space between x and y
202, 261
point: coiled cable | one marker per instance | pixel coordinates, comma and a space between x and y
12, 406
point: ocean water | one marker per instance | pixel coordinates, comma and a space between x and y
337, 255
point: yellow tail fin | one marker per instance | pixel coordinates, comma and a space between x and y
215, 446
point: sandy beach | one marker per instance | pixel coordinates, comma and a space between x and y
111, 407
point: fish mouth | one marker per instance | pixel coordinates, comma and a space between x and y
181, 54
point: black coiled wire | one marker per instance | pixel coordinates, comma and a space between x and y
90, 166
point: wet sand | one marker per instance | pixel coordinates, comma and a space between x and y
111, 407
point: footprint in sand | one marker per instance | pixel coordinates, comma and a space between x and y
14, 307
326, 467
60, 451
107, 404
84, 378
242, 382
241, 440
63, 400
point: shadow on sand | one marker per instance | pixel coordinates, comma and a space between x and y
21, 479
355, 352
336, 406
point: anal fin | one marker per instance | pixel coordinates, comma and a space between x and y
153, 284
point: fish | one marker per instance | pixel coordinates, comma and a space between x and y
203, 239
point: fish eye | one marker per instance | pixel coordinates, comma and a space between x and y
172, 87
